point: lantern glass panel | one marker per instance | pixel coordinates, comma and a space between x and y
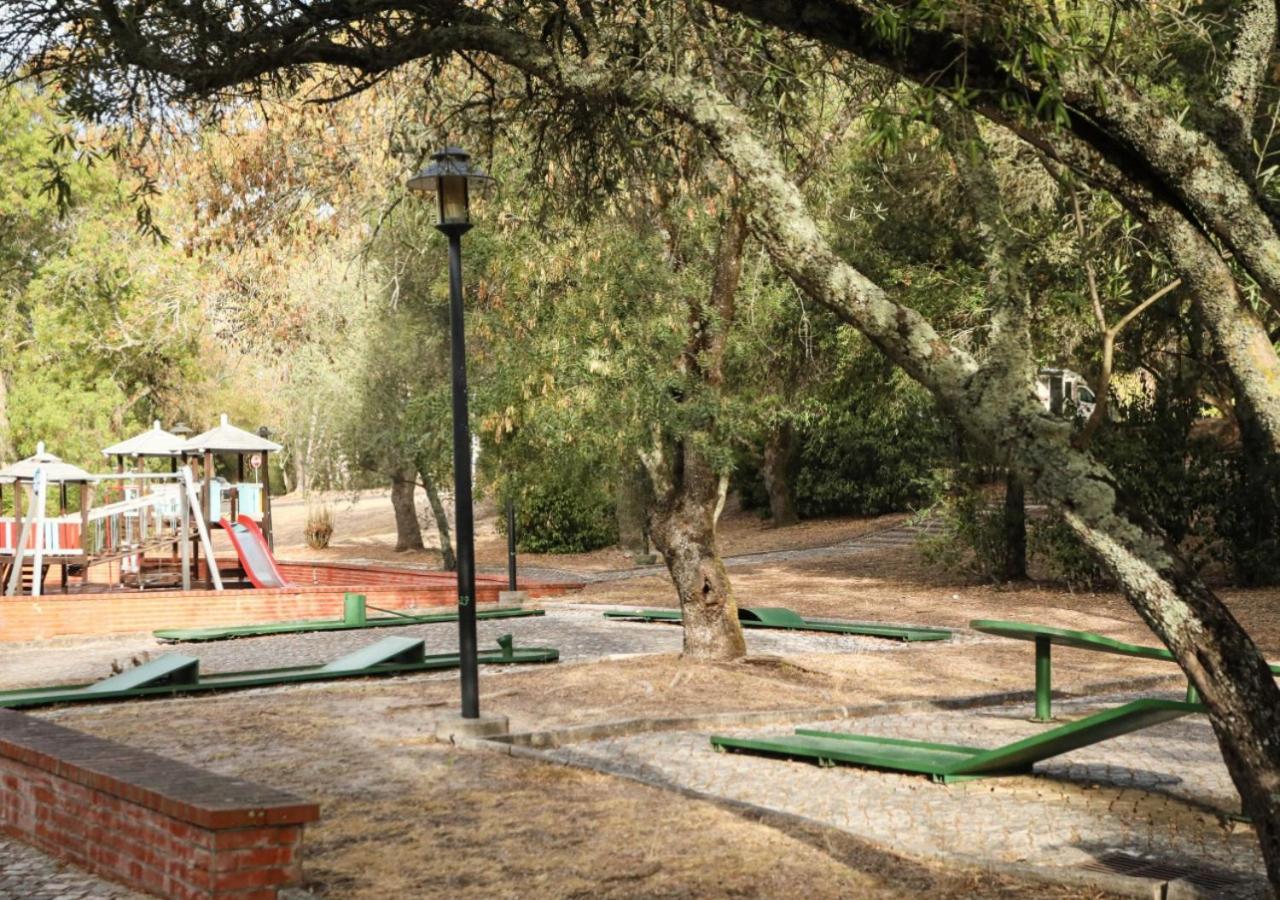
453, 200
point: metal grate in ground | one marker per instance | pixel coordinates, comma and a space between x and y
1213, 881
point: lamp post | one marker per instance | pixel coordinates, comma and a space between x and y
452, 180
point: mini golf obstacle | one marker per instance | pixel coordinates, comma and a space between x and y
176, 674
948, 763
788, 620
1046, 636
354, 616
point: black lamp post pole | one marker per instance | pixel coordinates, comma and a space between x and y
462, 482
511, 544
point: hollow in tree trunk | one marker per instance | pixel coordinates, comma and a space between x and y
777, 470
408, 534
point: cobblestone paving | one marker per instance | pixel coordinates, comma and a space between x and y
27, 874
579, 633
1162, 793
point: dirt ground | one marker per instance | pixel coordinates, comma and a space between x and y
897, 585
404, 815
364, 528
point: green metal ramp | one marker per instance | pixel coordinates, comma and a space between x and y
392, 650
175, 674
948, 762
782, 618
354, 617
171, 669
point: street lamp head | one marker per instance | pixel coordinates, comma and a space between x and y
453, 180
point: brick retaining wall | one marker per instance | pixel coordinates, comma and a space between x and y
318, 596
140, 819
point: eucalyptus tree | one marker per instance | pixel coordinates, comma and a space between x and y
601, 60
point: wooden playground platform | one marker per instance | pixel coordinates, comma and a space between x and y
317, 593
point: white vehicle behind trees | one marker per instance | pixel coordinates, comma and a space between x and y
1065, 392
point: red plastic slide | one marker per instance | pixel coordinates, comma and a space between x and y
255, 555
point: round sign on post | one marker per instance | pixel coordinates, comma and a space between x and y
256, 460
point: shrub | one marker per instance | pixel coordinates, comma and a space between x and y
319, 527
1063, 556
566, 512
969, 537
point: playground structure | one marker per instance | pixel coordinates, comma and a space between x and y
148, 529
152, 515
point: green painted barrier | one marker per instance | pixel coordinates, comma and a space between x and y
948, 762
782, 618
176, 675
1046, 636
354, 616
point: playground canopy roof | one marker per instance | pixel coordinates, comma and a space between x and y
227, 438
55, 469
155, 441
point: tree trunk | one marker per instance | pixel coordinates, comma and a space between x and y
1237, 332
682, 523
6, 440
408, 534
1015, 528
631, 507
997, 406
438, 513
688, 494
779, 464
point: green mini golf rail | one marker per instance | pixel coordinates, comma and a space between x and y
354, 617
949, 763
783, 618
1046, 636
176, 674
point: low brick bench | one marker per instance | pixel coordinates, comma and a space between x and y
140, 819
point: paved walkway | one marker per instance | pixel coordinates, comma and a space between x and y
1162, 795
27, 874
898, 536
579, 632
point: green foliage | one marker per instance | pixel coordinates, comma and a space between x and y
878, 451
566, 510
107, 331
1219, 503
969, 538
970, 534
1062, 556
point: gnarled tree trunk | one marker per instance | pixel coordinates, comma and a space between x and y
996, 405
408, 534
1014, 563
682, 523
688, 493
